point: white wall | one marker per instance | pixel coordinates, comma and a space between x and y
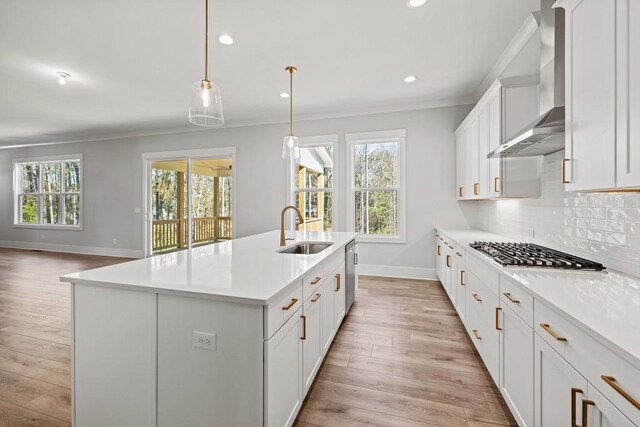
113, 184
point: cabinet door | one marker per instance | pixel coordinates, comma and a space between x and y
339, 297
453, 278
516, 366
462, 156
628, 81
601, 413
484, 135
440, 257
554, 380
590, 138
494, 140
312, 340
461, 301
473, 181
328, 313
283, 374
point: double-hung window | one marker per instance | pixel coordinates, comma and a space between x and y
48, 192
377, 193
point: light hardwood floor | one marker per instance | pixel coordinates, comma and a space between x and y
401, 358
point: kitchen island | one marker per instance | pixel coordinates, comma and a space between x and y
230, 334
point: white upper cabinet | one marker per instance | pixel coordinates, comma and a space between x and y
508, 106
602, 142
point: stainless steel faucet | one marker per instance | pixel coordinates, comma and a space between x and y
300, 220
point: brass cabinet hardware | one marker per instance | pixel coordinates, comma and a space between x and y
461, 191
437, 235
585, 411
574, 392
475, 296
462, 277
458, 253
291, 304
564, 171
446, 243
337, 282
315, 281
475, 332
316, 298
439, 249
304, 327
450, 247
448, 260
547, 328
510, 297
498, 328
495, 184
476, 188
612, 383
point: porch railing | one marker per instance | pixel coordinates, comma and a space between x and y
168, 234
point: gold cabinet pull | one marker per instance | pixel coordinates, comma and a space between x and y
564, 171
614, 385
495, 184
510, 297
458, 253
476, 188
291, 304
475, 332
547, 328
316, 280
574, 392
337, 282
475, 296
585, 411
462, 278
304, 327
448, 260
316, 298
461, 191
498, 310
439, 250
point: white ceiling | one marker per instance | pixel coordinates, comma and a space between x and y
132, 62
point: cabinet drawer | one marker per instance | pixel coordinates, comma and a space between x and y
592, 359
486, 340
312, 281
481, 300
282, 309
483, 271
514, 297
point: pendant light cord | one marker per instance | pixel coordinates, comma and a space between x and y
206, 40
290, 102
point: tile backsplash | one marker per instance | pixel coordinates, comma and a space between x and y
604, 227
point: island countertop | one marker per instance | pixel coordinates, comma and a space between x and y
246, 270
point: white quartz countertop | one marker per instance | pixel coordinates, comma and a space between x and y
246, 270
604, 304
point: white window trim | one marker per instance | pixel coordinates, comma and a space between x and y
17, 191
315, 141
399, 136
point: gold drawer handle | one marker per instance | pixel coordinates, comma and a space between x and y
458, 253
475, 332
510, 297
316, 298
338, 282
498, 328
574, 392
475, 296
614, 385
439, 250
291, 304
448, 260
450, 247
564, 171
495, 184
476, 189
461, 191
304, 327
462, 278
316, 280
547, 328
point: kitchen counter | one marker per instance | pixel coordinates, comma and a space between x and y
247, 270
604, 304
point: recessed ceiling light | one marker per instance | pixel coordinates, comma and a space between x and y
225, 39
410, 79
284, 95
62, 77
415, 3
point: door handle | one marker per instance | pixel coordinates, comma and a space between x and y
338, 282
574, 392
498, 310
304, 327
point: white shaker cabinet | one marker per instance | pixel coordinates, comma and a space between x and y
312, 349
339, 296
462, 164
599, 412
328, 314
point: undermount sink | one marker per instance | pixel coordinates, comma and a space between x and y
306, 248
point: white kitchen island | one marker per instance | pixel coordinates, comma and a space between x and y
230, 334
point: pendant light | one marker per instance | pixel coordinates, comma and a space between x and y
290, 145
206, 103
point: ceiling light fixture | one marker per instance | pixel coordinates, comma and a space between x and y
410, 79
62, 77
415, 3
284, 95
225, 39
206, 102
290, 145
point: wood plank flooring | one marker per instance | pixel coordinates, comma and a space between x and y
401, 358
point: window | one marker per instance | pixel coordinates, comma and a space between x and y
313, 183
48, 192
377, 185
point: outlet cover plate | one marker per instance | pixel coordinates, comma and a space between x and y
205, 341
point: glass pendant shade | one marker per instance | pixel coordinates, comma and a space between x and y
291, 148
206, 104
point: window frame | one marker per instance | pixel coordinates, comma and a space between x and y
308, 142
17, 192
352, 139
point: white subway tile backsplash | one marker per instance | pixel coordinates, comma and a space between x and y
604, 227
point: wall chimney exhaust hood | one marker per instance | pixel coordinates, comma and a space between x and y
543, 135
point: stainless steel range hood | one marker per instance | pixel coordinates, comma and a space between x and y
544, 135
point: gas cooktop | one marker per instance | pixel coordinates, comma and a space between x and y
531, 255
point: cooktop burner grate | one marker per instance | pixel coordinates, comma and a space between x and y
532, 255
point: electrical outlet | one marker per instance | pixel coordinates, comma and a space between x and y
204, 341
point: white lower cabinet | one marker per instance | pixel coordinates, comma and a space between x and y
283, 374
599, 412
516, 366
311, 339
339, 296
328, 314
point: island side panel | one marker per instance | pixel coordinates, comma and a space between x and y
221, 387
114, 360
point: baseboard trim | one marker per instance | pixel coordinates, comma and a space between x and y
395, 271
73, 249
